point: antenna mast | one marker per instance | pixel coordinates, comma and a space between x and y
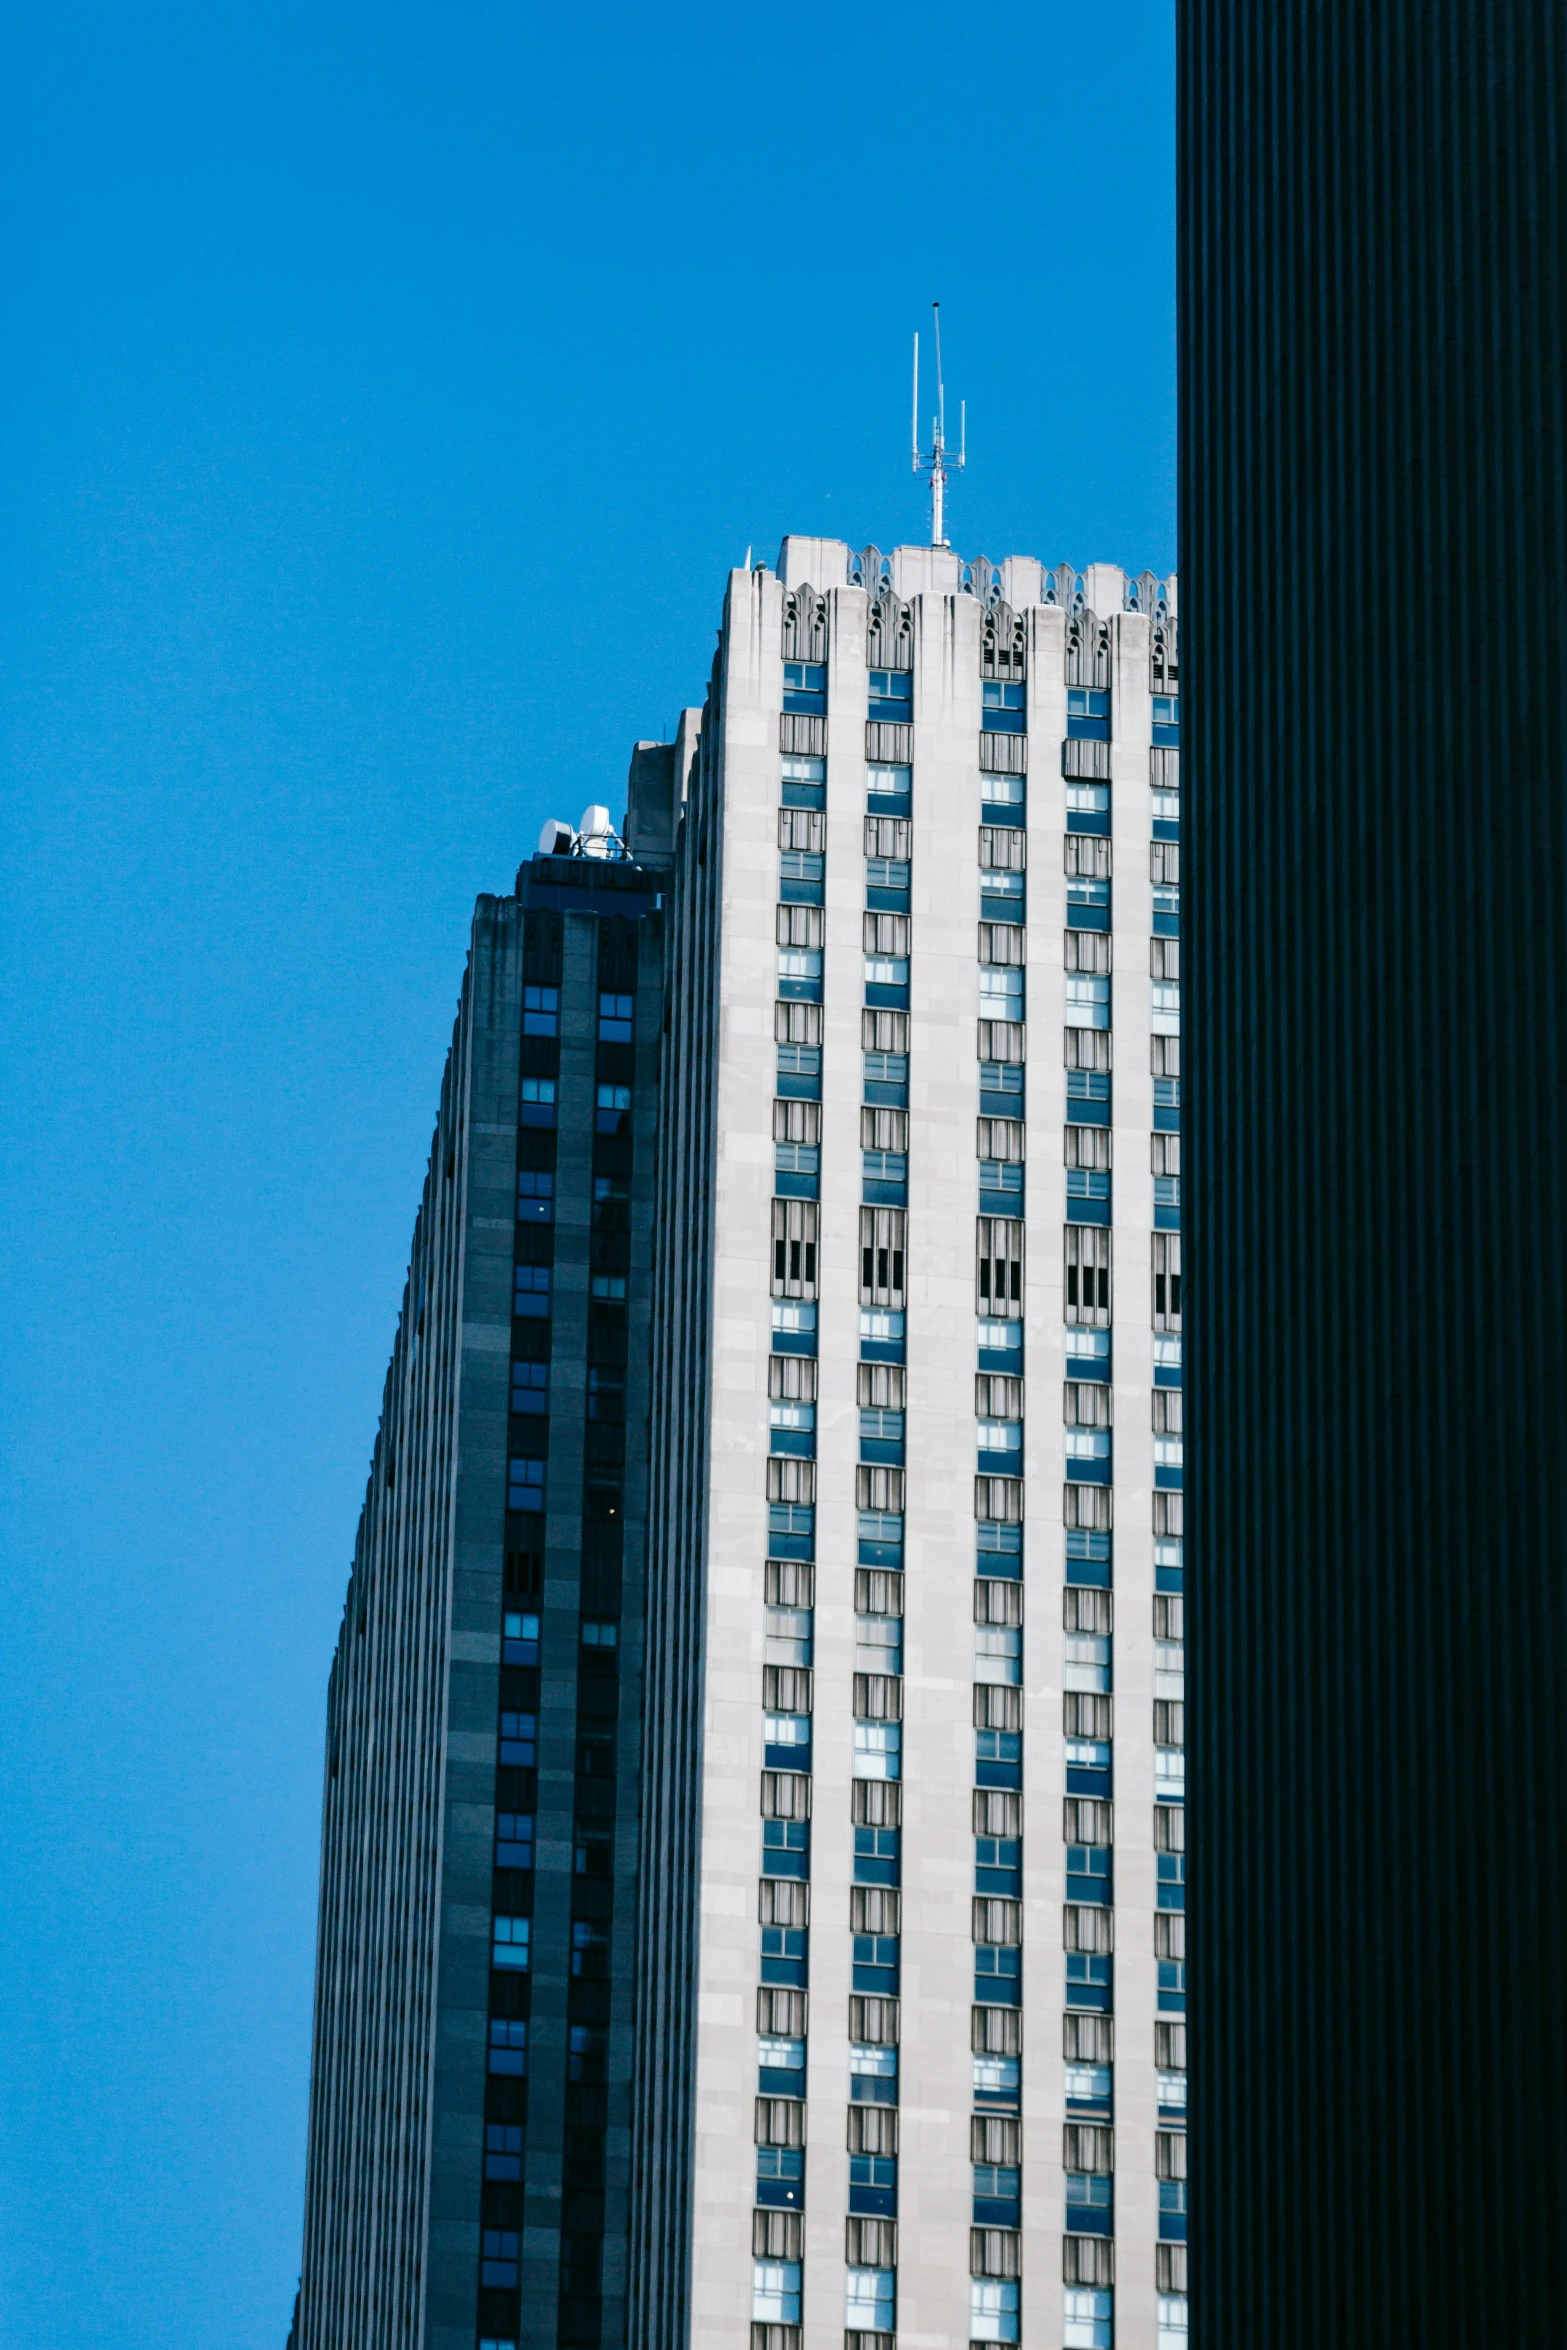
938, 461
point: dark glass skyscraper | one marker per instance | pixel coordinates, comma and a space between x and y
469, 2149
1374, 517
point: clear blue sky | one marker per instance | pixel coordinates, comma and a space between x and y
389, 390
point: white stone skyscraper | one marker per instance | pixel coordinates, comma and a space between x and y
910, 2043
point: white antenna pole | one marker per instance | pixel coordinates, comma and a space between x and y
914, 428
937, 463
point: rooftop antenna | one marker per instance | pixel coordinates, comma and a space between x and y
938, 461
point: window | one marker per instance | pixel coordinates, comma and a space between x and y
997, 1968
888, 873
1085, 1411
873, 2183
798, 930
878, 1644
535, 1198
1003, 794
525, 1485
891, 699
1087, 2084
1172, 2322
886, 946
1086, 1657
1003, 707
1166, 1060
780, 2056
531, 1297
530, 1387
1167, 721
997, 2187
1088, 1874
1087, 997
510, 1943
800, 877
788, 1638
887, 1080
885, 1175
508, 2046
1087, 2319
1087, 715
519, 1639
1088, 2204
1001, 896
889, 790
590, 1951
794, 1329
1001, 1089
881, 1257
881, 1437
587, 2054
615, 1015
870, 2299
998, 1865
805, 688
541, 1011
998, 1758
804, 782
794, 1248
999, 1267
793, 1427
875, 1964
520, 1740
797, 1061
878, 1748
998, 1654
788, 1741
877, 1851
998, 2080
1166, 1281
993, 2309
503, 2150
1001, 993
1087, 1275
1005, 1180
498, 2253
780, 2176
873, 2061
514, 1836
786, 1848
775, 2292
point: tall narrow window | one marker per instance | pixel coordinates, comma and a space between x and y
1166, 1281
998, 1270
882, 1232
1088, 1275
794, 1248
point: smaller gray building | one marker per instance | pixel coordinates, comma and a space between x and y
469, 2118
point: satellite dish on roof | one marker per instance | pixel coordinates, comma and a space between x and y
597, 835
557, 839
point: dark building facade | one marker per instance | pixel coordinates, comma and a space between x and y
469, 2136
1373, 513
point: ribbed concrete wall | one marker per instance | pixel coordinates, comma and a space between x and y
1374, 514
